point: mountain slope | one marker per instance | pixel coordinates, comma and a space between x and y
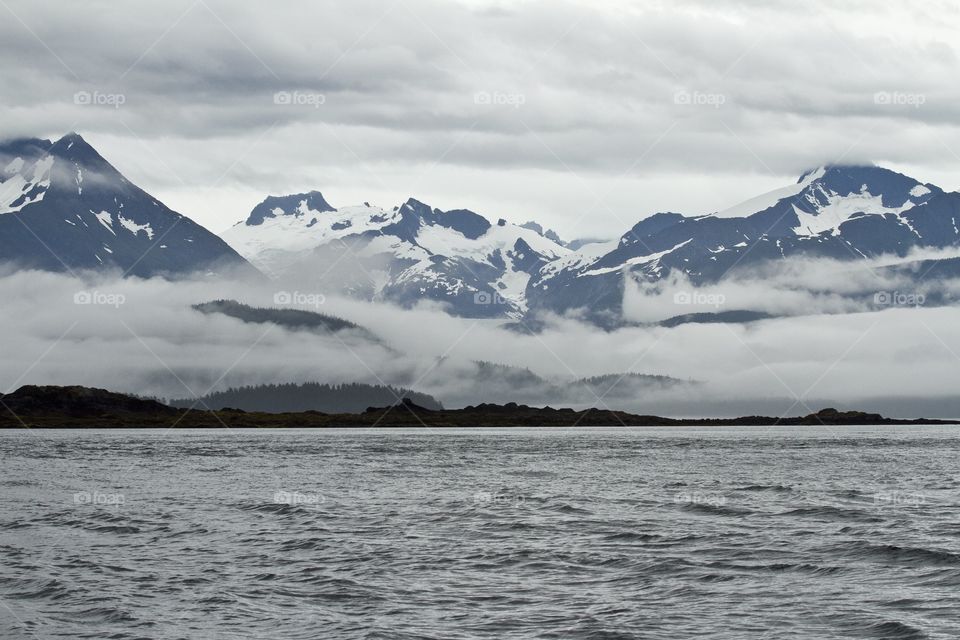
63, 207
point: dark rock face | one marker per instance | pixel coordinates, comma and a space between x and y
64, 208
415, 215
295, 205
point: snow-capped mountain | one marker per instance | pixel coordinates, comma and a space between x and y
838, 212
404, 255
484, 269
64, 208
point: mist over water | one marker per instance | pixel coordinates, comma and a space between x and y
586, 533
143, 337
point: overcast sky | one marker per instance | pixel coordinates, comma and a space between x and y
586, 116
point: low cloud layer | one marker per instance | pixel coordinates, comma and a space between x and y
142, 337
798, 286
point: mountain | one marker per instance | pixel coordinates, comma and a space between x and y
475, 267
64, 208
484, 269
479, 268
844, 213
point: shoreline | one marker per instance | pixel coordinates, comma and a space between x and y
51, 407
472, 427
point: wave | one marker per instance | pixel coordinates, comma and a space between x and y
907, 556
831, 513
631, 536
706, 508
894, 630
102, 614
778, 488
51, 589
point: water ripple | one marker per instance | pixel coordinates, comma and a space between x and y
517, 534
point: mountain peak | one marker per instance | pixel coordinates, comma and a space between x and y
895, 188
73, 136
75, 148
416, 206
295, 204
807, 175
415, 214
549, 234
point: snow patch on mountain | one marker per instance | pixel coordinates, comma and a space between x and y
769, 199
24, 187
585, 256
445, 241
135, 228
638, 260
106, 220
840, 208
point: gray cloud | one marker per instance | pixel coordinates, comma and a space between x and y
678, 97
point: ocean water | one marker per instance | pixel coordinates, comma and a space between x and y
534, 533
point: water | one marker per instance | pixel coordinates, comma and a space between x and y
587, 533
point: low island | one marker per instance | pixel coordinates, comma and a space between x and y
51, 407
